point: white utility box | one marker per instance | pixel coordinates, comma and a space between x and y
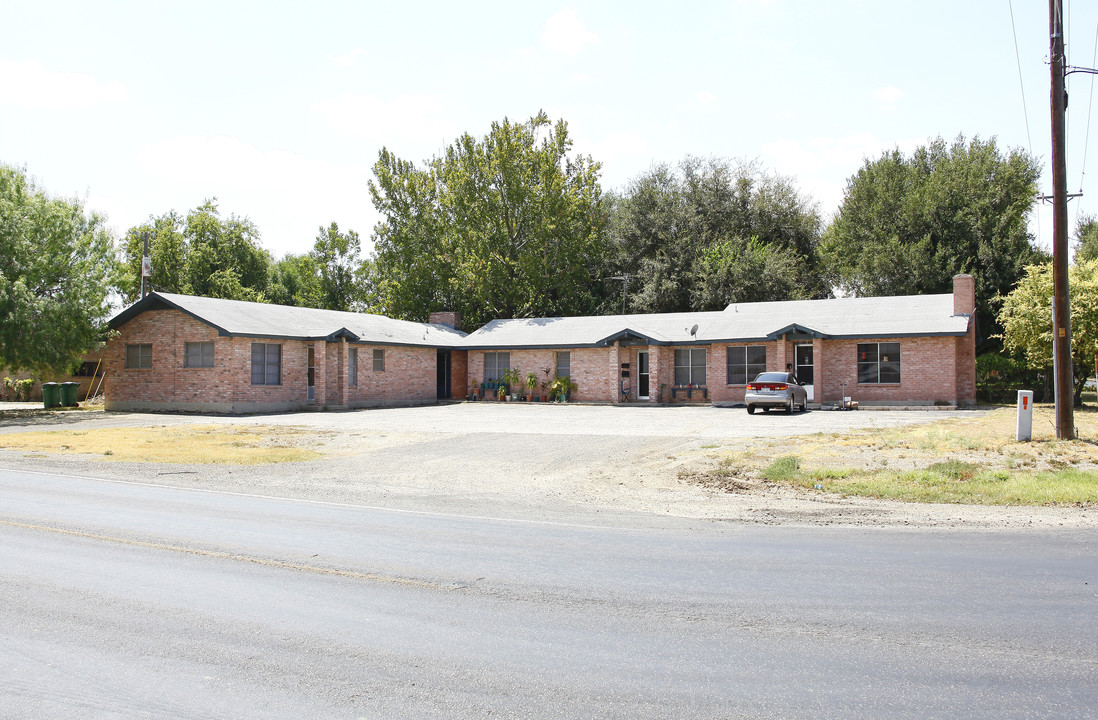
1025, 415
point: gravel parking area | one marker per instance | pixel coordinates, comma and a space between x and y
616, 465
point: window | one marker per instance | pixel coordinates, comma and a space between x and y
88, 369
379, 360
878, 362
564, 363
352, 367
266, 364
198, 354
744, 363
690, 366
495, 364
139, 356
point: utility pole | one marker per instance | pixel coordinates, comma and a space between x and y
146, 266
624, 285
1061, 319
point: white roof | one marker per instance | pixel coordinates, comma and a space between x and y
262, 320
879, 317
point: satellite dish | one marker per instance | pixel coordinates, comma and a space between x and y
694, 330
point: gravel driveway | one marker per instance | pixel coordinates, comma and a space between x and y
612, 465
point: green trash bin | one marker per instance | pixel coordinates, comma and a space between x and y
51, 395
70, 394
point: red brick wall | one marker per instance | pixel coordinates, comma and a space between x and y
591, 370
927, 371
410, 377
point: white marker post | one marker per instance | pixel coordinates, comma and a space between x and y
1025, 415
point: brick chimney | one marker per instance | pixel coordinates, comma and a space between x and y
964, 295
447, 318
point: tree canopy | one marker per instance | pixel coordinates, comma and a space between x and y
908, 224
201, 254
708, 233
508, 225
1026, 318
331, 276
58, 267
1086, 238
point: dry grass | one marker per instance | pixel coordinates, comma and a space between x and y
196, 444
957, 460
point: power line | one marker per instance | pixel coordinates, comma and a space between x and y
1025, 111
1018, 58
1090, 113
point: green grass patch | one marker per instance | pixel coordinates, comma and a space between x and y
784, 469
953, 482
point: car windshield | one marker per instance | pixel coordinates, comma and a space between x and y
772, 377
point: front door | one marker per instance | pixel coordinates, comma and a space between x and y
312, 372
642, 375
805, 369
443, 374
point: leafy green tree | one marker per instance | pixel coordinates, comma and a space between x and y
336, 258
201, 254
58, 268
908, 224
710, 232
1086, 239
167, 247
508, 225
1026, 318
224, 257
294, 280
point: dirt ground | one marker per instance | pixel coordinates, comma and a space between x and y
621, 466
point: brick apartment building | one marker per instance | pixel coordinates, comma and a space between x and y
177, 352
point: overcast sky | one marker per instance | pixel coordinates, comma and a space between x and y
279, 109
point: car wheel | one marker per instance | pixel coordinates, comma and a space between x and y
766, 409
790, 407
750, 409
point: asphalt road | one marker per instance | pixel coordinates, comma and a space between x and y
126, 600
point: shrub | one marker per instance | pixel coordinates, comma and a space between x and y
999, 377
17, 390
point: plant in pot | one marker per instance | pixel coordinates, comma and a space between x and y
501, 390
561, 388
532, 385
514, 382
473, 385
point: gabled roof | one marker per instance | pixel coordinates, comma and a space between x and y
881, 317
237, 318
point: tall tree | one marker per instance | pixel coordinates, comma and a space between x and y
57, 270
710, 232
1026, 318
1086, 239
908, 224
508, 225
295, 280
336, 258
201, 254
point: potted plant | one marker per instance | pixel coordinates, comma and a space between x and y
474, 387
501, 390
548, 373
561, 388
531, 384
513, 383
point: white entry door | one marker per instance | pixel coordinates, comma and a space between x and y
805, 369
642, 375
